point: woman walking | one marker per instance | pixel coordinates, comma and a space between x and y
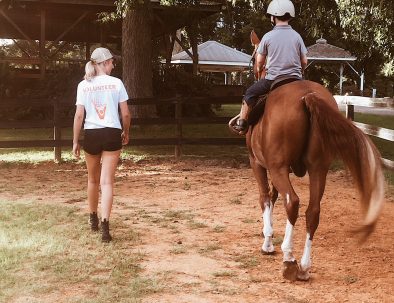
101, 96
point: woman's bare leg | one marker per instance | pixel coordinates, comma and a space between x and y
110, 160
94, 170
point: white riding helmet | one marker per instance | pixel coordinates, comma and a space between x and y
280, 8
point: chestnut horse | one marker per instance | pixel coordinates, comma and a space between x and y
301, 132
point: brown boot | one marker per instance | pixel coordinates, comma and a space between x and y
94, 221
105, 237
242, 125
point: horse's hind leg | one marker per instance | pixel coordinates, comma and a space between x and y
317, 180
266, 204
280, 179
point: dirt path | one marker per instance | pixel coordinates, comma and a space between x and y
199, 226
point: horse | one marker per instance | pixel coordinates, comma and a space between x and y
302, 131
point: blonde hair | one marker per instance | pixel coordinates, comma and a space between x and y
90, 71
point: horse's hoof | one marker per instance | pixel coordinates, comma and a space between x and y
290, 270
303, 275
268, 252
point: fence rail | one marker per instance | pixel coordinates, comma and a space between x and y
379, 132
57, 123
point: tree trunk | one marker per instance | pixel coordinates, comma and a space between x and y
137, 57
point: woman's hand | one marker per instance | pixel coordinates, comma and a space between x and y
76, 150
125, 138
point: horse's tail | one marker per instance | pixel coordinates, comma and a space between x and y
342, 138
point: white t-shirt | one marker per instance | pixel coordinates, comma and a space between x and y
101, 97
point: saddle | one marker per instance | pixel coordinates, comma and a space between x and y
258, 110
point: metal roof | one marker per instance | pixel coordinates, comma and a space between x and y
322, 51
215, 56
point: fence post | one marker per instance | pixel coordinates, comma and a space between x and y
178, 117
350, 111
57, 134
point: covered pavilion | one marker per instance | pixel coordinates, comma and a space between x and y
322, 52
217, 58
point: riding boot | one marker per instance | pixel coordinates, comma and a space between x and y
105, 237
94, 221
242, 125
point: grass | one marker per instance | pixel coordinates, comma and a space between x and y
247, 261
209, 248
53, 245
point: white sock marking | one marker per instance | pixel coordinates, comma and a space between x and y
306, 260
287, 244
267, 228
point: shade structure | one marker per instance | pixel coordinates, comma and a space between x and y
215, 57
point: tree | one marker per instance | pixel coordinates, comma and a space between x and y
368, 27
137, 53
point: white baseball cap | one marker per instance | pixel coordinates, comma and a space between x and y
100, 54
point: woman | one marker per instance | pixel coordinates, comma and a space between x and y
100, 96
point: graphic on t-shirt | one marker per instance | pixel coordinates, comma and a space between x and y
100, 108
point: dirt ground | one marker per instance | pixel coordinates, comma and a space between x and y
200, 225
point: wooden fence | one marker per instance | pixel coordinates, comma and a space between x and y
383, 133
179, 139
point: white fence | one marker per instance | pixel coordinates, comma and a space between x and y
380, 132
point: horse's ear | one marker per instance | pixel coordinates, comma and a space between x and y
253, 38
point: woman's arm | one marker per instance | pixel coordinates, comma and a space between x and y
126, 117
78, 120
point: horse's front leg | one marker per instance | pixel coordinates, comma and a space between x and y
266, 204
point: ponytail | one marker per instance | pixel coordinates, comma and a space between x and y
90, 72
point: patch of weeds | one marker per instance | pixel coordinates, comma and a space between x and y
294, 299
219, 228
255, 279
247, 261
186, 186
277, 240
195, 225
223, 274
235, 200
191, 284
209, 248
178, 215
350, 279
178, 250
247, 220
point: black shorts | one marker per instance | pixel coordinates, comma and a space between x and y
102, 139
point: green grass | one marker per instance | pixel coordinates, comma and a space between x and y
376, 120
52, 245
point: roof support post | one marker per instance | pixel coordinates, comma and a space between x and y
87, 51
340, 79
42, 44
